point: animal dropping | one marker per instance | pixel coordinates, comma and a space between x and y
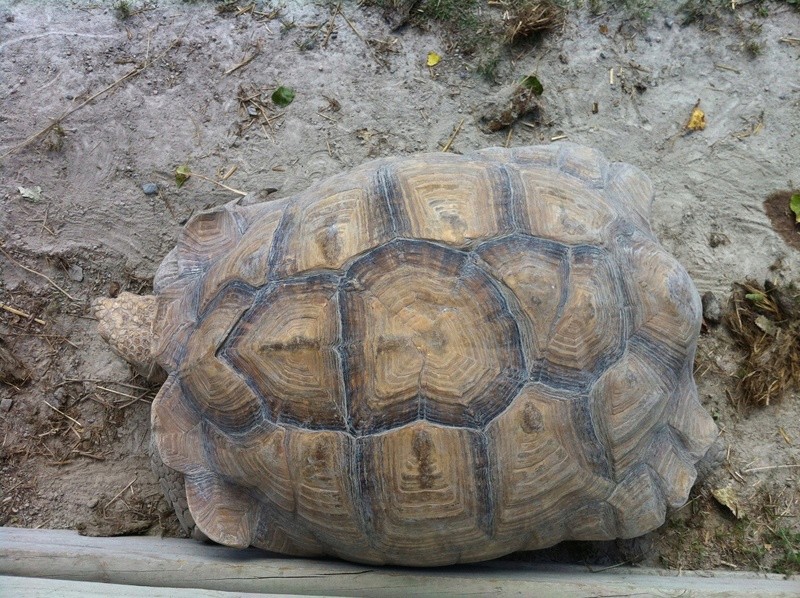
426, 360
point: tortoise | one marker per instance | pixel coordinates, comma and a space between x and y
426, 360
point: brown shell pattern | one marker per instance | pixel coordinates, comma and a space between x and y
431, 360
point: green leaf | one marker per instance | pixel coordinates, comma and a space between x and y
182, 174
794, 205
755, 297
283, 96
532, 82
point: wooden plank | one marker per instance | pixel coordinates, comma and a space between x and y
175, 563
39, 587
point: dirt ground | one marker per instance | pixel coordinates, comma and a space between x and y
96, 106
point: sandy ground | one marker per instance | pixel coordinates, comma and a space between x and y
161, 88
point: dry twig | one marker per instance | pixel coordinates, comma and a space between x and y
20, 313
57, 122
47, 278
118, 494
57, 410
450, 141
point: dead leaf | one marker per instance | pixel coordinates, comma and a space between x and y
697, 121
31, 193
727, 497
433, 59
766, 325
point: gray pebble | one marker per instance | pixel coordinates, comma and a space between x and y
5, 405
150, 188
75, 273
92, 503
669, 22
58, 396
712, 310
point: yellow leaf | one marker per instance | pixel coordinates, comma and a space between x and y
433, 59
697, 121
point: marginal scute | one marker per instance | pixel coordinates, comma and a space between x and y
666, 310
444, 198
278, 532
224, 512
178, 430
257, 460
694, 427
676, 474
167, 272
206, 237
286, 347
425, 510
632, 193
545, 156
545, 466
593, 521
176, 318
638, 503
628, 403
586, 163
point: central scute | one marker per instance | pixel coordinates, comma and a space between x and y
426, 335
412, 331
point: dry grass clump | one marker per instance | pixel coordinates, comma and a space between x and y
525, 18
765, 321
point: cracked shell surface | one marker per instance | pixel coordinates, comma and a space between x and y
431, 360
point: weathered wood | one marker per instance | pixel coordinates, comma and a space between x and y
58, 588
173, 563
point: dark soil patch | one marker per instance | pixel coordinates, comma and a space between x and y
783, 219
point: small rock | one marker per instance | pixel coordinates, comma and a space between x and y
75, 273
669, 22
58, 396
712, 310
92, 503
717, 239
150, 188
252, 110
5, 405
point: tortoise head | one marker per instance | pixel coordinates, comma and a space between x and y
127, 324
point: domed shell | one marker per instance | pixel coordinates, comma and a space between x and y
431, 360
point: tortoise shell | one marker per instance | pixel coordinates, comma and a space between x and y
431, 360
